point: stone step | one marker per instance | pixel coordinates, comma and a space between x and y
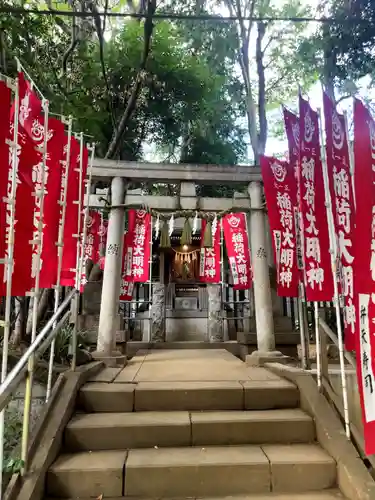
106, 397
199, 396
227, 470
230, 470
101, 431
192, 472
189, 396
331, 494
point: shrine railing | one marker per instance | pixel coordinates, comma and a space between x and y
337, 378
24, 372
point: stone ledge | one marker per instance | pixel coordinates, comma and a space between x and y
354, 480
258, 358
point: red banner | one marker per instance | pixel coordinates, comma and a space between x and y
339, 179
315, 235
291, 122
365, 369
137, 246
364, 258
364, 176
69, 260
237, 244
127, 284
55, 141
91, 248
28, 158
209, 266
5, 107
280, 190
30, 108
103, 230
31, 176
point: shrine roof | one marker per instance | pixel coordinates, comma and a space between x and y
176, 172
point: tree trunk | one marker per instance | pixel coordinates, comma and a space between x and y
17, 334
329, 65
263, 127
42, 307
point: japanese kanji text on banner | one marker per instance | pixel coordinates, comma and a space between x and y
137, 246
127, 284
342, 209
209, 267
237, 244
280, 190
315, 234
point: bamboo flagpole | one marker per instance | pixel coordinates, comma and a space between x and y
9, 261
334, 256
222, 277
351, 155
81, 239
292, 129
60, 243
150, 286
36, 265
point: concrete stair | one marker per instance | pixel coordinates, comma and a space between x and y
192, 440
117, 431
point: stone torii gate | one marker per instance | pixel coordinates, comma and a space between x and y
119, 174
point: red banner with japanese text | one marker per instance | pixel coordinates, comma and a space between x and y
91, 247
280, 190
365, 368
69, 260
315, 235
364, 179
364, 261
237, 245
5, 155
51, 210
209, 265
138, 246
103, 230
27, 205
28, 159
30, 106
127, 283
342, 201
291, 122
31, 124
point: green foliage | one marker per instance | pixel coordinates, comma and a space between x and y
63, 341
284, 74
180, 89
12, 438
342, 51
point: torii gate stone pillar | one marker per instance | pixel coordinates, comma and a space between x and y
109, 308
262, 287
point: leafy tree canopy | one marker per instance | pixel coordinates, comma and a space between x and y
184, 105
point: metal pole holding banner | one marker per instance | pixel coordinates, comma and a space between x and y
222, 276
38, 242
318, 350
60, 244
351, 156
301, 320
334, 256
9, 262
81, 239
150, 287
